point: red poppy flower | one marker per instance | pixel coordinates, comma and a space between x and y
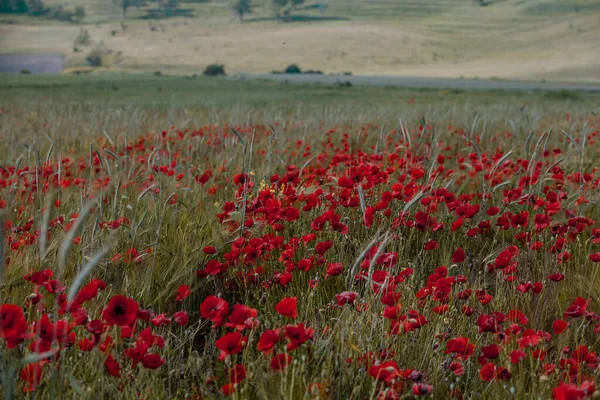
298, 335
461, 347
287, 307
521, 219
386, 371
559, 326
214, 309
459, 255
120, 311
431, 245
181, 318
237, 374
491, 351
487, 372
577, 308
421, 389
595, 257
13, 325
183, 291
242, 317
38, 278
570, 391
334, 269
322, 247
457, 368
517, 356
32, 375
209, 250
89, 291
231, 343
268, 340
152, 361
112, 366
280, 361
346, 298
160, 320
556, 277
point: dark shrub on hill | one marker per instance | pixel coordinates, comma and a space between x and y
214, 70
292, 69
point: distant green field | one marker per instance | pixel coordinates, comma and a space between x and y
205, 94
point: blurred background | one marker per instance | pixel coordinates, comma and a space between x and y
556, 40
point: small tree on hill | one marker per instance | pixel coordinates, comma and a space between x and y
240, 7
125, 4
283, 8
168, 6
13, 6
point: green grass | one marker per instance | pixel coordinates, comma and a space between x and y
201, 92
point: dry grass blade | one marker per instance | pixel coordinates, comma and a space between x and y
363, 206
238, 135
412, 201
361, 257
573, 142
68, 240
85, 271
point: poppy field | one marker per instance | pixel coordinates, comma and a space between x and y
371, 245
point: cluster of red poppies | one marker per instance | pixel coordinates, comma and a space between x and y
411, 237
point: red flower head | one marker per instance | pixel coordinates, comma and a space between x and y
242, 317
268, 340
280, 361
32, 375
214, 309
112, 366
13, 325
431, 245
569, 391
595, 257
346, 298
181, 318
559, 326
231, 343
298, 335
461, 347
334, 269
421, 389
183, 291
459, 255
237, 374
120, 311
209, 250
386, 371
152, 361
487, 372
577, 308
38, 278
491, 351
287, 307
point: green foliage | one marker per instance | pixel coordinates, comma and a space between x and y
13, 6
292, 69
37, 8
95, 58
125, 4
283, 8
214, 70
83, 38
240, 7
